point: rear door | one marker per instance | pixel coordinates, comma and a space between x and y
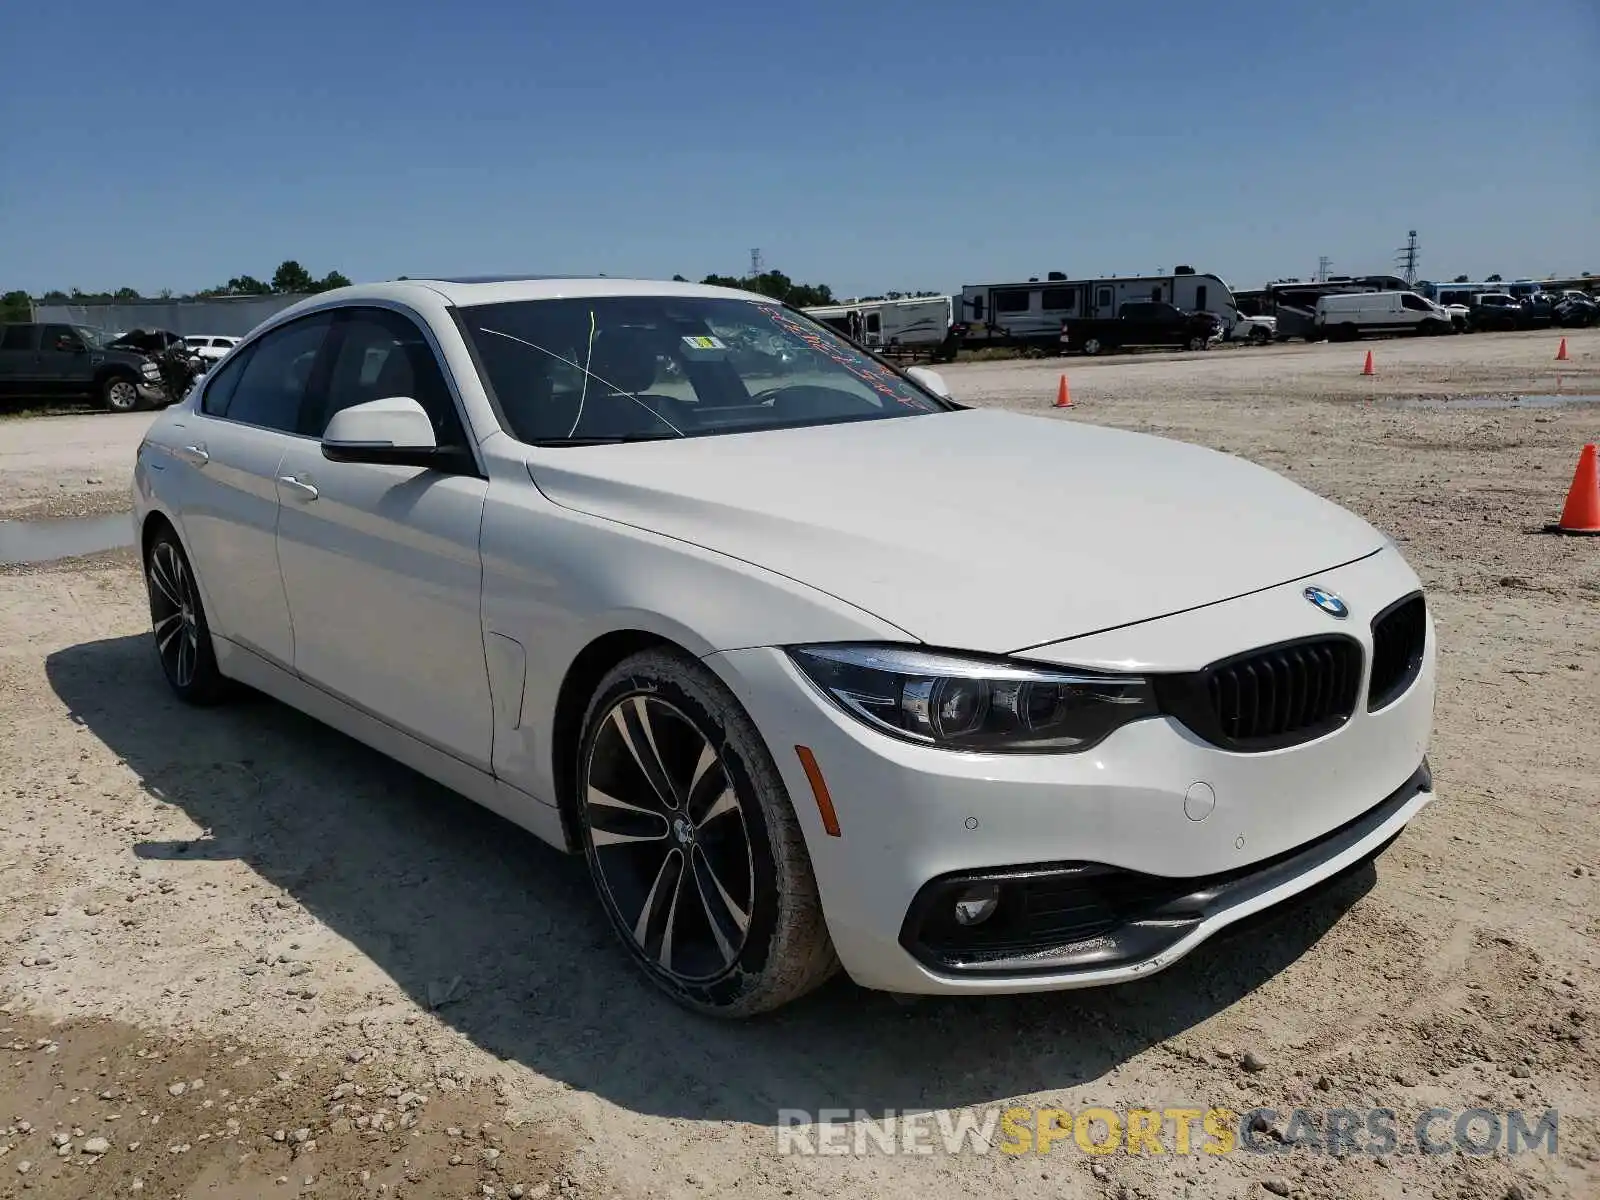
19, 358
223, 458
380, 562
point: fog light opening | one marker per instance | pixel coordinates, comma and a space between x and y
976, 904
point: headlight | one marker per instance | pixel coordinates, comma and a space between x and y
961, 702
150, 370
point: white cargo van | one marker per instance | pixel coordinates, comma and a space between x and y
1344, 317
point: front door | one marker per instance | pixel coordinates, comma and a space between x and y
224, 458
380, 563
63, 356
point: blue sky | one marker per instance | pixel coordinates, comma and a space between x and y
871, 145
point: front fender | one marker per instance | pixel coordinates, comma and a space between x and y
556, 580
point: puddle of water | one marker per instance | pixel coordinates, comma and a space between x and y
45, 541
1442, 403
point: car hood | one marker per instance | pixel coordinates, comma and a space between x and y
978, 529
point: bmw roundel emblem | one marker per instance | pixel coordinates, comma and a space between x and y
1327, 602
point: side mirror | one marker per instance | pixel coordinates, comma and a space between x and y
395, 431
931, 380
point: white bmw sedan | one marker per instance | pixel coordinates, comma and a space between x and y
813, 664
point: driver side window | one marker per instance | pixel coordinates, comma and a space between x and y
383, 354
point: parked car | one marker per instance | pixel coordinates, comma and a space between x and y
1344, 317
1052, 727
145, 341
1257, 330
1575, 310
209, 346
1496, 311
1537, 311
48, 360
1460, 317
1141, 323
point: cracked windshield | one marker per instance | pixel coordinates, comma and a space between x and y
639, 368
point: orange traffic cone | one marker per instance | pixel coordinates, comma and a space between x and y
1063, 394
1367, 370
1582, 511
1561, 354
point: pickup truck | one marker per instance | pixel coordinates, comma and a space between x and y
1141, 323
71, 360
1496, 310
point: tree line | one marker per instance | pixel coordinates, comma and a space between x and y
293, 279
289, 279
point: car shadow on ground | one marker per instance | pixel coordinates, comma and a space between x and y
430, 887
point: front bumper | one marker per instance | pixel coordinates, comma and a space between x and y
1103, 924
1152, 799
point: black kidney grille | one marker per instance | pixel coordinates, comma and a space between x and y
1399, 634
1280, 695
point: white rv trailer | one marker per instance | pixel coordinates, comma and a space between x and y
1031, 313
918, 324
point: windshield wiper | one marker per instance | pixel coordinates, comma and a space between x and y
608, 441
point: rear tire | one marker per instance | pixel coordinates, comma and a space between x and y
1093, 345
1348, 333
119, 393
178, 624
692, 842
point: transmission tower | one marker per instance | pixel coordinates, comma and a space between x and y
1408, 256
1323, 263
755, 262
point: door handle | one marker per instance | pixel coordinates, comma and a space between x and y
306, 491
195, 454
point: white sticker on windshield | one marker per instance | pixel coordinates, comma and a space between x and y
704, 343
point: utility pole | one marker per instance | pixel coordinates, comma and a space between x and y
1323, 263
1408, 256
755, 262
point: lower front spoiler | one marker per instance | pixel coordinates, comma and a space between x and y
1067, 925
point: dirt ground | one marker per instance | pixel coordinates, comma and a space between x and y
243, 898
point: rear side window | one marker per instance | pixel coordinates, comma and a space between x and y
219, 390
17, 337
272, 379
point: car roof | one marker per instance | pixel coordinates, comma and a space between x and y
465, 290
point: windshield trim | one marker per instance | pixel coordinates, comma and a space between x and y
458, 317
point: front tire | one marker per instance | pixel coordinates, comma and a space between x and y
119, 394
1093, 346
692, 843
1198, 343
178, 624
